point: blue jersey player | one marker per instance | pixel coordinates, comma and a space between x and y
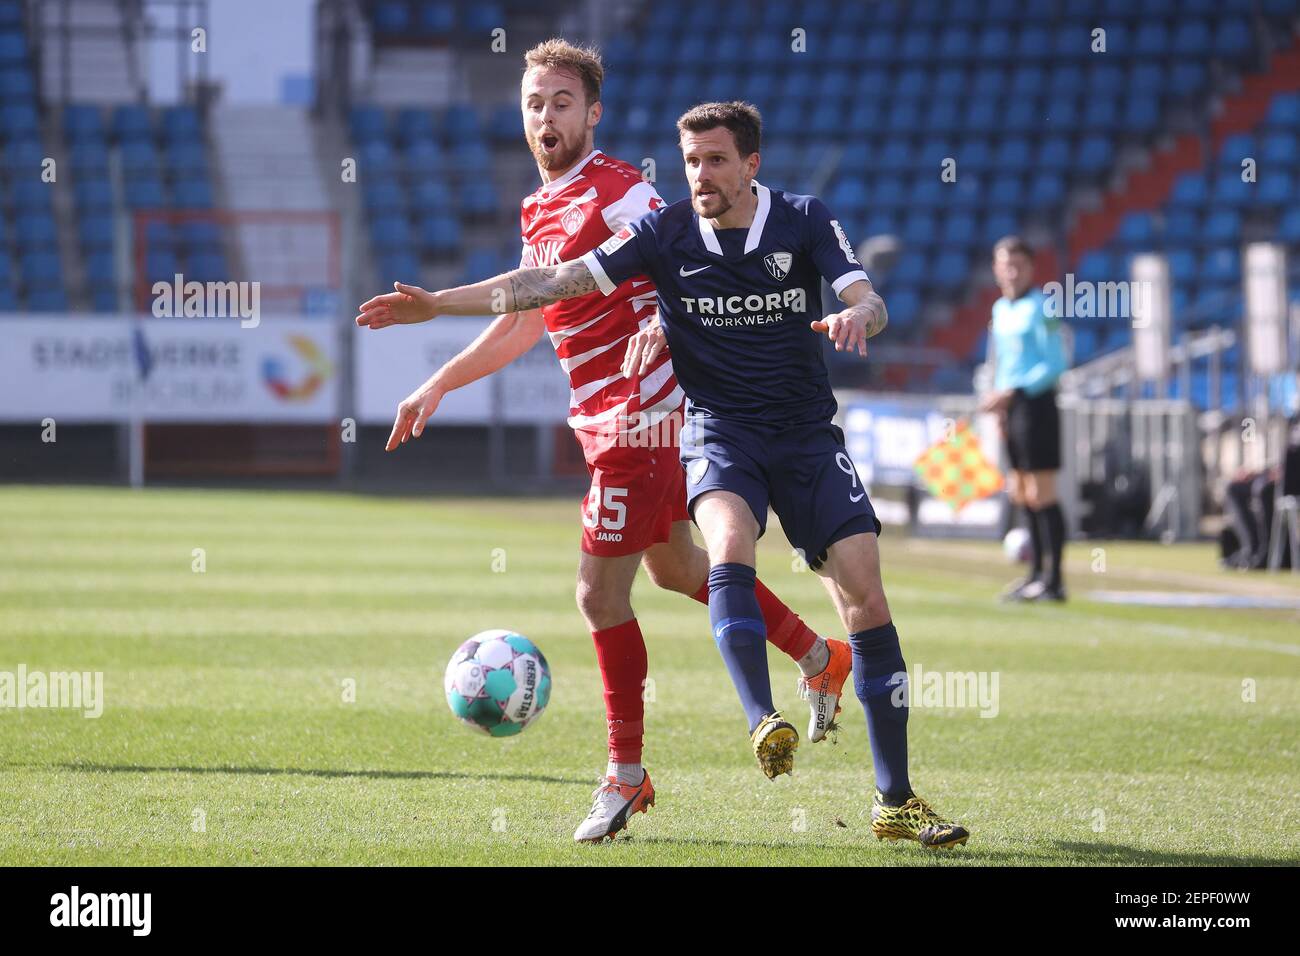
738, 272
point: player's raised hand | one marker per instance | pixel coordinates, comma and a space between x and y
407, 306
847, 329
412, 413
643, 348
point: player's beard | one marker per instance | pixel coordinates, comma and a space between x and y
561, 158
723, 205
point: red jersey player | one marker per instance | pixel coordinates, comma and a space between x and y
635, 510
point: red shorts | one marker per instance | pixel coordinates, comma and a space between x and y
636, 494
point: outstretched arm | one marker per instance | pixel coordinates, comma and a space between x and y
865, 317
504, 340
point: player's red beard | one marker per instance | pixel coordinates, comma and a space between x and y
560, 157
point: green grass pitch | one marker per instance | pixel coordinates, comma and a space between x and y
1123, 735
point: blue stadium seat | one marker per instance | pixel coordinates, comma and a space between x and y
208, 267
18, 120
132, 122
1221, 265
1284, 111
40, 267
199, 234
1288, 229
1187, 79
1094, 155
47, 299
1229, 189
103, 299
1137, 231
440, 234
1275, 188
1151, 40
30, 195
436, 18
390, 233
37, 230
13, 47
1142, 113
193, 194
460, 123
145, 194
367, 123
99, 268
505, 126
383, 197
1192, 39
997, 224
424, 158
93, 195
95, 231
181, 123
920, 229
1233, 39
1046, 190
392, 17
479, 198
1221, 226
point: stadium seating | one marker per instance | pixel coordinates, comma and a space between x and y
31, 270
164, 161
877, 99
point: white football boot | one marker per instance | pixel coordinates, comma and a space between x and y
612, 804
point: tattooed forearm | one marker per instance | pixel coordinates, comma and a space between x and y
532, 288
872, 309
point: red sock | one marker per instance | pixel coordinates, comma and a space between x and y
620, 654
785, 629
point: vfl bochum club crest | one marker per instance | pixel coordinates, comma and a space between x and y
778, 264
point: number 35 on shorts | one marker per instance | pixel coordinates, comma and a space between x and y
605, 508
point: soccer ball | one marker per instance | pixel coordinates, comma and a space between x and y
498, 682
1016, 545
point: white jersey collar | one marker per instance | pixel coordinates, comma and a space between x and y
755, 233
548, 189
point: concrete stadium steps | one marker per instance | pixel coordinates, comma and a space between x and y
91, 41
267, 158
421, 76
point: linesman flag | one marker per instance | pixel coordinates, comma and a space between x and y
955, 470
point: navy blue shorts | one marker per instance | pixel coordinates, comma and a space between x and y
803, 472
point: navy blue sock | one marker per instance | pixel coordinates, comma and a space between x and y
741, 636
877, 659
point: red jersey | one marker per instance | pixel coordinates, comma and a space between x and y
561, 221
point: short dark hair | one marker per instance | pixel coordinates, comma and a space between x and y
1013, 244
743, 119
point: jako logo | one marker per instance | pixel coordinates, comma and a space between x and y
103, 909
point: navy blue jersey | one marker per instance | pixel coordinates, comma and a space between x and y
736, 303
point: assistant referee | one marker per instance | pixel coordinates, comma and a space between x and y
1029, 357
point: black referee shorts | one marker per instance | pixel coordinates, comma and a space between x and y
1034, 432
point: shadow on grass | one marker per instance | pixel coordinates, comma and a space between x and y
1102, 854
318, 772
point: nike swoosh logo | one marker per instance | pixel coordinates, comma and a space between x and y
684, 273
858, 498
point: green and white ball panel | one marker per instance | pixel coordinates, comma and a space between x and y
497, 682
